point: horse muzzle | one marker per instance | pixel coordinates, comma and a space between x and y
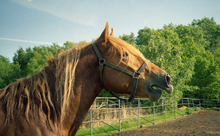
155, 88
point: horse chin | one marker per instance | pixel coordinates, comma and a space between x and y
153, 93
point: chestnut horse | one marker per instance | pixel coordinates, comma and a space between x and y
56, 100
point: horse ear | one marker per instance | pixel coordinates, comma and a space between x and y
112, 33
105, 33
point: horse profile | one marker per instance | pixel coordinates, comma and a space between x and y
56, 100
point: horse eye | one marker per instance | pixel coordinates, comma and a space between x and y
125, 54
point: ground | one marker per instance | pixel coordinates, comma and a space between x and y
200, 123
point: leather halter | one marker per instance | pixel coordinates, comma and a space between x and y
135, 75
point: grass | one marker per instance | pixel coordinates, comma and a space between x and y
132, 123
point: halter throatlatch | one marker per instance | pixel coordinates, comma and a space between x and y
135, 75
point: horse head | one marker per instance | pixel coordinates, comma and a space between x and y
151, 79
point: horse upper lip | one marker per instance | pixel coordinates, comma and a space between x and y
168, 89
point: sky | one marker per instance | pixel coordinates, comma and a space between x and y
29, 23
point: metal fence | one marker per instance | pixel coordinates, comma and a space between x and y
109, 110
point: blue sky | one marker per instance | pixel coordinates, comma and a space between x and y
29, 23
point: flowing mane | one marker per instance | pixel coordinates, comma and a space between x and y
26, 92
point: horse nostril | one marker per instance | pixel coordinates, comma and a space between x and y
168, 79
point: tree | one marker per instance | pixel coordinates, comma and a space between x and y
128, 38
8, 72
163, 48
206, 77
211, 31
33, 60
39, 55
199, 65
68, 45
189, 53
21, 58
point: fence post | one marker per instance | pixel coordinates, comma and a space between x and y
193, 106
165, 110
138, 112
95, 104
154, 111
188, 106
175, 107
107, 106
90, 114
119, 114
183, 110
200, 104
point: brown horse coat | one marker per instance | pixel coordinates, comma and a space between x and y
55, 101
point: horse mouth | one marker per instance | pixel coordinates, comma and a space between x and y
155, 92
154, 87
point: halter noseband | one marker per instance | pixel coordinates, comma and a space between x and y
135, 75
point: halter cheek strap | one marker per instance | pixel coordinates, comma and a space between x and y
135, 75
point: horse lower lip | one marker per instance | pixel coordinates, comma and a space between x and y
154, 94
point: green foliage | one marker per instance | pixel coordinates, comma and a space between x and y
33, 60
68, 45
39, 58
164, 49
128, 38
211, 31
206, 77
27, 62
189, 53
104, 93
8, 72
21, 58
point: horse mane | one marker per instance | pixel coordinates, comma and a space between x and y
65, 63
26, 92
23, 94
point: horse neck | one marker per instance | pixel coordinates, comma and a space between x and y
86, 88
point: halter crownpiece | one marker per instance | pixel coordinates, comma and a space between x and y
135, 75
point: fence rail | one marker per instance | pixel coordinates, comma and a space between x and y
109, 110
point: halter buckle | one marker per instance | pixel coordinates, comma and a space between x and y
136, 75
102, 61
